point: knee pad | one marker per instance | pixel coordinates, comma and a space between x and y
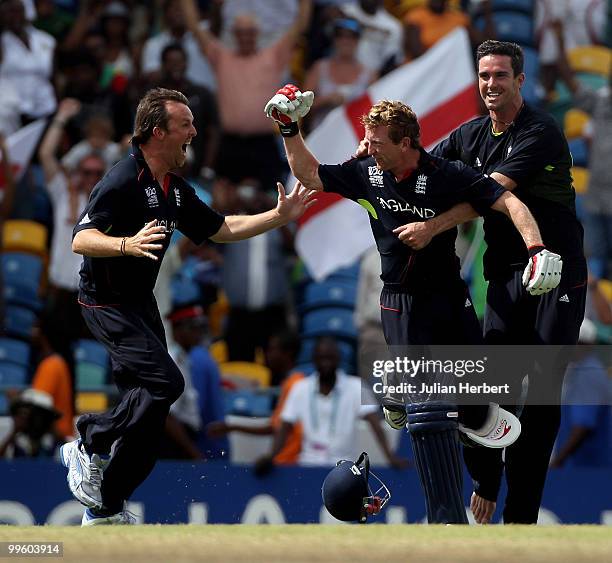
433, 431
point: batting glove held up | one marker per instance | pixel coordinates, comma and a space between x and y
543, 271
287, 106
395, 417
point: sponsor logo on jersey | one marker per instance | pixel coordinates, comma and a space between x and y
509, 150
394, 205
564, 298
421, 184
177, 197
478, 163
85, 220
376, 176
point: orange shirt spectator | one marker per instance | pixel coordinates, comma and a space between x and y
293, 445
53, 377
435, 25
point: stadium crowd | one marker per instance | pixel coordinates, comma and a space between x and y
243, 321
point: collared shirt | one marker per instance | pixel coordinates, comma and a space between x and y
434, 187
122, 203
533, 153
329, 422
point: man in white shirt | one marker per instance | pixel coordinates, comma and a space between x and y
382, 33
329, 404
198, 69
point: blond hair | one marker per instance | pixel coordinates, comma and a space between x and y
398, 117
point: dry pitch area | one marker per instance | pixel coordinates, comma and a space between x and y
313, 543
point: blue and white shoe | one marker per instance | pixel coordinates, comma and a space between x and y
84, 473
121, 518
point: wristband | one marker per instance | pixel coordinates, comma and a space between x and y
123, 246
289, 130
533, 250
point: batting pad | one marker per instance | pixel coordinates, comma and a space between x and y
434, 436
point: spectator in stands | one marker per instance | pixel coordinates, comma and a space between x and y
52, 19
581, 22
585, 435
328, 404
98, 140
198, 68
382, 33
118, 68
69, 192
202, 402
598, 198
203, 104
32, 432
82, 71
26, 62
255, 280
339, 78
371, 340
430, 23
281, 354
244, 76
6, 206
53, 373
273, 17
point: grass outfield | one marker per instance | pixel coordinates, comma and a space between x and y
314, 543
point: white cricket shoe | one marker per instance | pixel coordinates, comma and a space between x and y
501, 429
121, 518
84, 473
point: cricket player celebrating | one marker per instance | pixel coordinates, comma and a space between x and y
424, 299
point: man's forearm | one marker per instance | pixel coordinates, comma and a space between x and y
91, 242
457, 215
524, 222
303, 164
240, 227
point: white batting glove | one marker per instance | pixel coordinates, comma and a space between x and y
543, 271
287, 106
395, 417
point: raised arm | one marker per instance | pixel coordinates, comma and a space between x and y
208, 43
67, 109
288, 208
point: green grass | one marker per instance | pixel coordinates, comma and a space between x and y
313, 543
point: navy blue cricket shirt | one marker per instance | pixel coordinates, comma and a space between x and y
434, 187
127, 198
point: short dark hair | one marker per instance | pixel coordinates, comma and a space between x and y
512, 50
172, 47
152, 112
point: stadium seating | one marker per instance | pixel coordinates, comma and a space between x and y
347, 353
19, 321
592, 59
15, 352
523, 6
511, 26
580, 152
248, 403
330, 293
246, 374
13, 375
87, 401
580, 178
91, 365
532, 73
21, 275
575, 122
329, 321
4, 405
26, 236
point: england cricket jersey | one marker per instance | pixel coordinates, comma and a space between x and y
433, 187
